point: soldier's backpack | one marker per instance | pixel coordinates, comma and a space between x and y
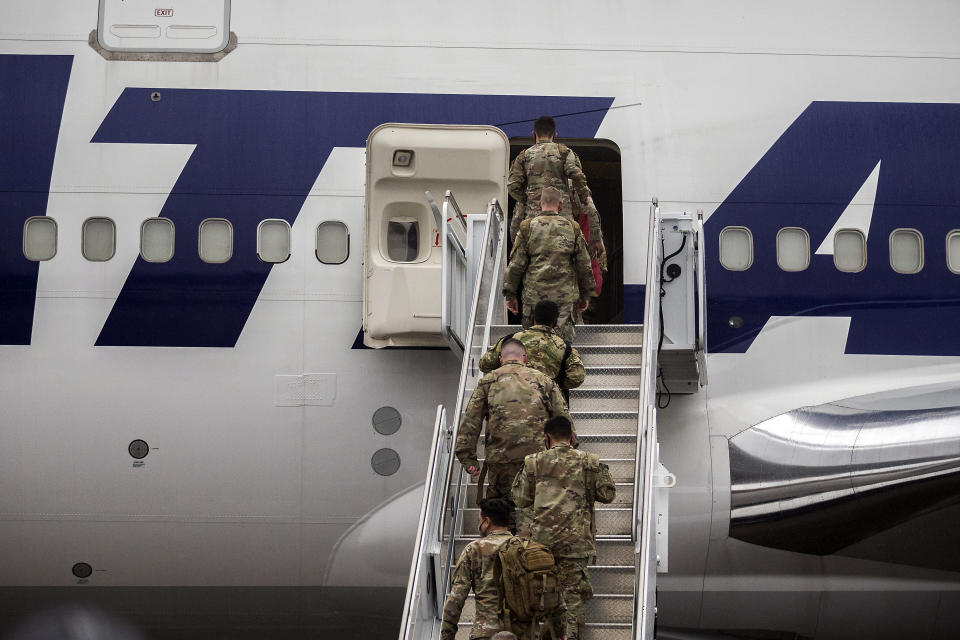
529, 582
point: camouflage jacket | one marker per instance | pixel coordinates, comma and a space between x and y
551, 261
549, 164
545, 349
562, 484
515, 400
475, 570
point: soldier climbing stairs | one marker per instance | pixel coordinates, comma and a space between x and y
614, 414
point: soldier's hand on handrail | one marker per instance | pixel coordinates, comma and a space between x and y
473, 471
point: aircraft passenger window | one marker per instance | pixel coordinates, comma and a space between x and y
99, 239
39, 238
273, 241
156, 239
953, 251
403, 239
793, 249
736, 248
906, 251
216, 240
849, 250
333, 242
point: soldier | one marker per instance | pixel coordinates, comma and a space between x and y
515, 400
475, 571
550, 164
550, 260
547, 352
562, 484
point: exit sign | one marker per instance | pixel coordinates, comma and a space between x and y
163, 13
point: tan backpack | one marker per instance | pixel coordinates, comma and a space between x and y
529, 582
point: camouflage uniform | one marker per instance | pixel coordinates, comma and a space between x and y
515, 400
551, 261
549, 164
475, 570
562, 485
545, 349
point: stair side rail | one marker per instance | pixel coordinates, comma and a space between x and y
487, 309
455, 272
699, 238
423, 599
643, 531
445, 488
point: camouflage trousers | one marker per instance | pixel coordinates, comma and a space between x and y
500, 477
565, 321
576, 588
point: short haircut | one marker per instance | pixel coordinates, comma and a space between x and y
504, 635
498, 510
512, 344
546, 312
550, 196
559, 427
544, 127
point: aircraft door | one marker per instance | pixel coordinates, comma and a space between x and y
402, 252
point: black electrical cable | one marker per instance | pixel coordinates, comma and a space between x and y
663, 263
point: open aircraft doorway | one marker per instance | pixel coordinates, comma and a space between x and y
601, 163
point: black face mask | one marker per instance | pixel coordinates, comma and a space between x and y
483, 531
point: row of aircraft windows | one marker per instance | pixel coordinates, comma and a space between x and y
99, 240
849, 250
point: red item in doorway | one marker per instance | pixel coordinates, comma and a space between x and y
584, 221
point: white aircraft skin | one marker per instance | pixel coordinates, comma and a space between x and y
252, 503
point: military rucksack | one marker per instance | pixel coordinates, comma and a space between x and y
529, 581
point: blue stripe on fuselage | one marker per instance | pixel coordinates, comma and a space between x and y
258, 154
32, 93
807, 179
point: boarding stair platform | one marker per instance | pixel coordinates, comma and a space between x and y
614, 413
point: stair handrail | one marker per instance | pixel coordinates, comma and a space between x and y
443, 465
642, 530
494, 247
454, 270
439, 449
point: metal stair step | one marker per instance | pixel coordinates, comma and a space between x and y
592, 631
622, 469
624, 495
604, 445
620, 399
611, 334
587, 334
615, 551
612, 579
606, 422
610, 519
611, 355
612, 376
605, 607
612, 551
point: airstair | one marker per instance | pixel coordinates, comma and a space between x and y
614, 412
